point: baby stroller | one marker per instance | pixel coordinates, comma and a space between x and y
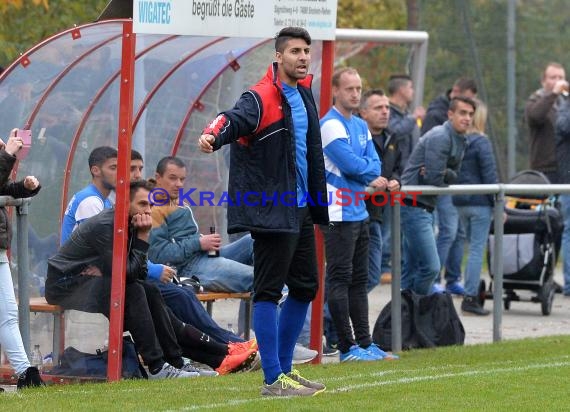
532, 236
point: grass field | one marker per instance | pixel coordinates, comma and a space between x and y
522, 375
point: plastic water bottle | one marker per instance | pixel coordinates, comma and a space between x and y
37, 359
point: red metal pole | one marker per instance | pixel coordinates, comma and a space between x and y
114, 365
317, 308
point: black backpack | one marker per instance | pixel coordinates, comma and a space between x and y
427, 321
76, 363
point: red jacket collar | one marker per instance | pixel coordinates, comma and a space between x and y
272, 75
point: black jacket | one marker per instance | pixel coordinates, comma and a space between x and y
262, 158
91, 244
436, 113
388, 151
404, 128
8, 188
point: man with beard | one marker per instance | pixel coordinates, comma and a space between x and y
95, 197
276, 149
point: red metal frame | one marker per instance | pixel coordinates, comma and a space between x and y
85, 117
25, 57
317, 306
122, 204
167, 75
195, 105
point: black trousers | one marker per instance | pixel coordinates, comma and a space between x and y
346, 246
145, 314
286, 258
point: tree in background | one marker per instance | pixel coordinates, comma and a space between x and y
27, 22
467, 37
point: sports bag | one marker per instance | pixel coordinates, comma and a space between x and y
76, 363
427, 321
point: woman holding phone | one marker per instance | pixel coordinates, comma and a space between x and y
10, 337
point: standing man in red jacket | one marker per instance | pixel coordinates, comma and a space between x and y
277, 159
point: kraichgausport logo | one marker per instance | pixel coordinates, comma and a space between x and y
341, 197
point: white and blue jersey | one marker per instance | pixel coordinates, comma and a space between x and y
84, 204
351, 163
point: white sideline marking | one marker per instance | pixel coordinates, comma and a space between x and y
405, 380
452, 375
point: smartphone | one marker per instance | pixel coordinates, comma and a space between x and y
26, 136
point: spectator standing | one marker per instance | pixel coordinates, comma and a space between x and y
276, 148
475, 211
10, 337
351, 164
450, 252
540, 113
404, 126
436, 160
375, 111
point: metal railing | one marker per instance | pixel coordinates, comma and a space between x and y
499, 191
22, 254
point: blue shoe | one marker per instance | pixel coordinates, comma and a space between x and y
357, 354
375, 350
455, 288
437, 288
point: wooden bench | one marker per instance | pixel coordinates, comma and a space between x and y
40, 305
211, 297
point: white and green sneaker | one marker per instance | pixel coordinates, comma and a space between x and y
285, 386
296, 376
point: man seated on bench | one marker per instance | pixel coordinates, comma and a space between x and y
79, 277
99, 195
93, 198
175, 238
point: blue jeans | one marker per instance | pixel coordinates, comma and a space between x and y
421, 262
450, 252
186, 306
565, 204
386, 266
10, 337
231, 272
476, 220
374, 255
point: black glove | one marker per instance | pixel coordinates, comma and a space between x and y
449, 177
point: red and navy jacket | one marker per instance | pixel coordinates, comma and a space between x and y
262, 182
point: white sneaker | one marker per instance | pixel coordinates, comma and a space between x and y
170, 372
302, 354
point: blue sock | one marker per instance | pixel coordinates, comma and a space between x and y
265, 327
291, 321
